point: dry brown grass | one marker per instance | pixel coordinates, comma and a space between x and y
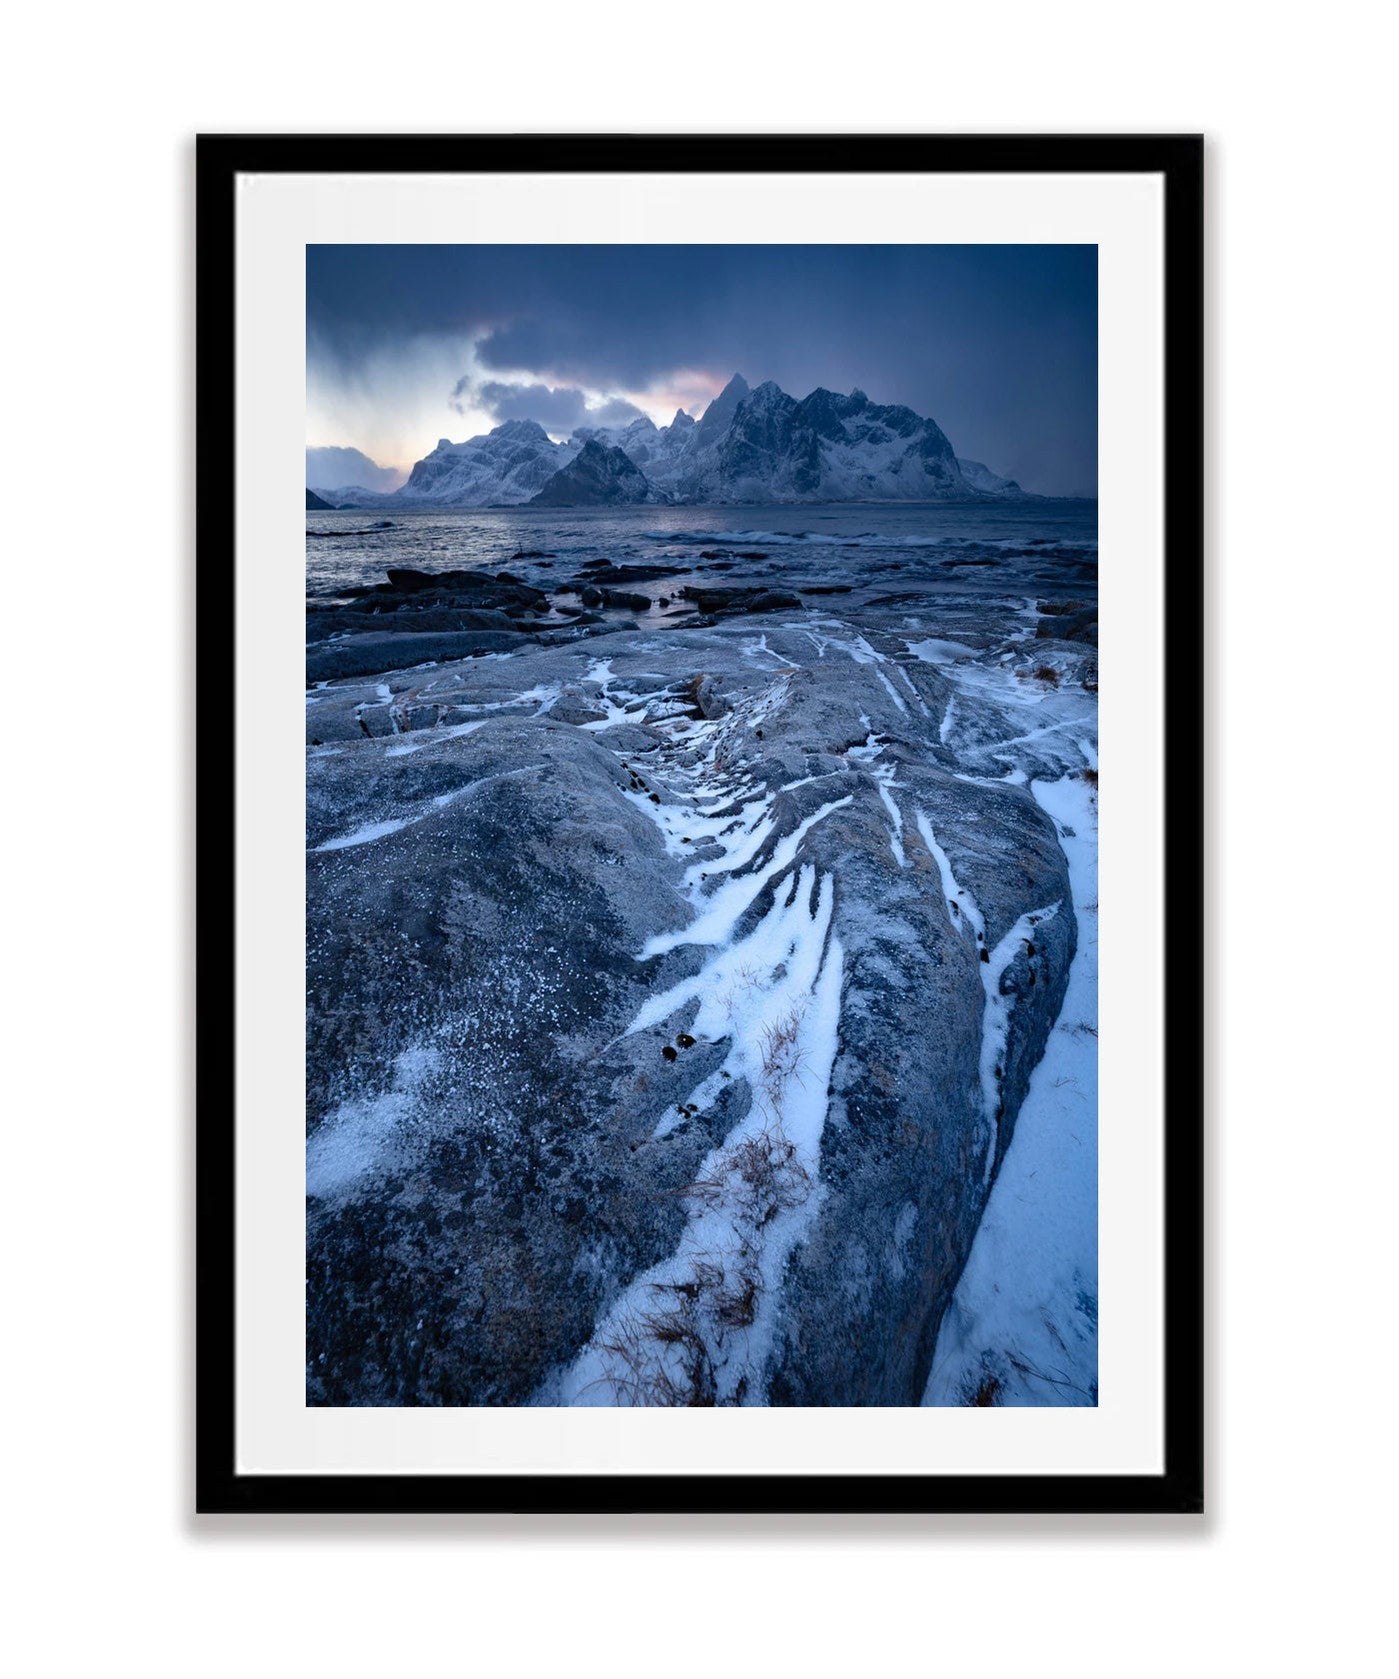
665, 1357
735, 1298
780, 1048
757, 1178
660, 1359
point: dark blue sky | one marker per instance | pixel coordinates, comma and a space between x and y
998, 343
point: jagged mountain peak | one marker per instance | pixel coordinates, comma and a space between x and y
597, 475
716, 418
527, 431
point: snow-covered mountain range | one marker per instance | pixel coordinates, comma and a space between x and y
756, 445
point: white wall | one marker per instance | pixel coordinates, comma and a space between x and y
1284, 1575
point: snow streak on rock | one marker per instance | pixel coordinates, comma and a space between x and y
884, 780
965, 914
1023, 1323
435, 737
725, 907
372, 831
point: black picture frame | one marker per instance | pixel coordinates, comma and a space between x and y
1178, 160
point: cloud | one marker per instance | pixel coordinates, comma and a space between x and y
616, 411
557, 409
335, 467
560, 409
997, 343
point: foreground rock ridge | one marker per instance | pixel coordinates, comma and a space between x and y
759, 446
681, 943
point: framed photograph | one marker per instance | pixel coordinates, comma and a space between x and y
700, 883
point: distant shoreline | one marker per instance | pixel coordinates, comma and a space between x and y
389, 501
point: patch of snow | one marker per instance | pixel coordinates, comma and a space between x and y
361, 1135
935, 652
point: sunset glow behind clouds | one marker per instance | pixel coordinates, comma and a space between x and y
409, 344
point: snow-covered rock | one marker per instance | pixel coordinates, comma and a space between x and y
829, 447
989, 483
657, 450
597, 475
507, 466
757, 445
714, 423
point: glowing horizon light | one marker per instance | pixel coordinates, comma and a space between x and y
461, 414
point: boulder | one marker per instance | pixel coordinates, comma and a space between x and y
480, 1163
362, 655
709, 701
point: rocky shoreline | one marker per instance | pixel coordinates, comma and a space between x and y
681, 942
